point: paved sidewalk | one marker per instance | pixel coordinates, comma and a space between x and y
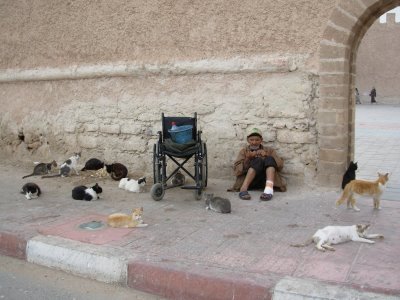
187, 252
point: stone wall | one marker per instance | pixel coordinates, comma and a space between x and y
117, 118
96, 75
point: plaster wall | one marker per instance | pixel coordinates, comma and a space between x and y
96, 75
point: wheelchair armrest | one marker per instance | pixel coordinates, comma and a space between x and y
159, 136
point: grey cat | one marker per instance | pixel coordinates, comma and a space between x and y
67, 167
218, 204
42, 169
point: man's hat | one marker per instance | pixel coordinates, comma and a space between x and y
254, 131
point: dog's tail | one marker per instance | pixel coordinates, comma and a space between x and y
306, 243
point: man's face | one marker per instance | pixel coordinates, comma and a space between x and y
254, 141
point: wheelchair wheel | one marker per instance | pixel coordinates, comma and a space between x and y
157, 191
157, 174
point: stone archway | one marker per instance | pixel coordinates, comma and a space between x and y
346, 27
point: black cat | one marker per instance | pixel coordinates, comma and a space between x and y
117, 171
350, 174
84, 193
93, 164
31, 190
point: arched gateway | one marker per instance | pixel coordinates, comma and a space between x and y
346, 27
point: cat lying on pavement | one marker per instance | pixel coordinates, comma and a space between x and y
132, 185
31, 190
329, 235
120, 220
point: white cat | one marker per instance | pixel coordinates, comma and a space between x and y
132, 185
329, 235
67, 167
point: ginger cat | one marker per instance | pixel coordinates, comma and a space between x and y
119, 220
364, 187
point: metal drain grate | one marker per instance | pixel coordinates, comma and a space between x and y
92, 225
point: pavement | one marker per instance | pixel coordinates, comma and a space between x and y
188, 252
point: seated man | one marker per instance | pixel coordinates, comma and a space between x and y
256, 167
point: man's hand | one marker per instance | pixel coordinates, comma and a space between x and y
251, 154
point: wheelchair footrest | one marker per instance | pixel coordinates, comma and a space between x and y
190, 187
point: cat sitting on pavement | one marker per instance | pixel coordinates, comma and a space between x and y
329, 235
67, 167
350, 174
364, 187
217, 204
42, 169
117, 171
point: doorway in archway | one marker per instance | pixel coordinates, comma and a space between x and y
377, 123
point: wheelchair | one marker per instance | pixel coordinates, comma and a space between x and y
166, 150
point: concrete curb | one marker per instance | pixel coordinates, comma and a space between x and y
291, 288
170, 279
78, 258
13, 246
176, 281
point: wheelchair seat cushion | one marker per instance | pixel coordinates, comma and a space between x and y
173, 147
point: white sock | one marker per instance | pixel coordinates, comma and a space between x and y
269, 187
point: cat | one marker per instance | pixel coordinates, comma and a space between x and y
328, 235
350, 174
120, 220
84, 193
67, 167
364, 187
132, 185
31, 190
218, 204
178, 179
93, 164
117, 171
42, 169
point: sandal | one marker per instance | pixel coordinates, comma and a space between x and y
244, 195
265, 197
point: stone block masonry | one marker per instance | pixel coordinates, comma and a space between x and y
119, 116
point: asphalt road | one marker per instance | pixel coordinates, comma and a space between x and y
20, 280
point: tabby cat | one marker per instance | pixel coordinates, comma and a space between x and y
218, 204
42, 169
67, 167
364, 187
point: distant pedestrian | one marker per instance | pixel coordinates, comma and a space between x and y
373, 95
358, 101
